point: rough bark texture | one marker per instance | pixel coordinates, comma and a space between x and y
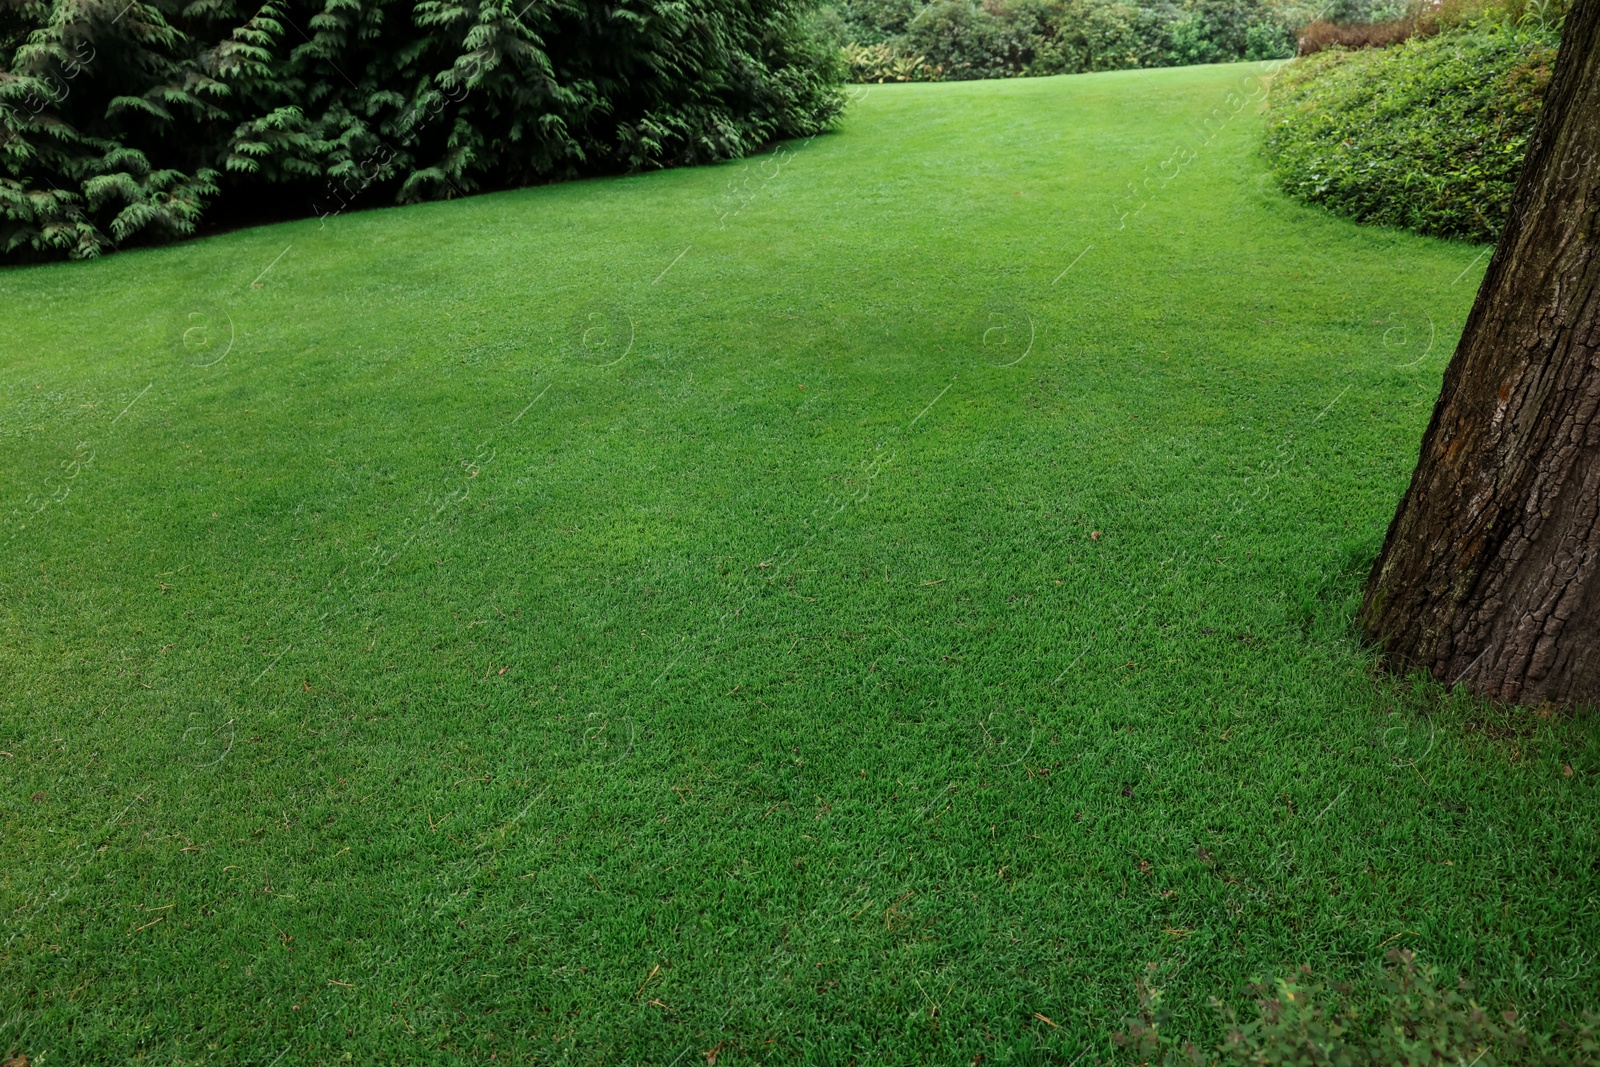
1488, 575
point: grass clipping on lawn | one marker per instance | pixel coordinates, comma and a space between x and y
1428, 134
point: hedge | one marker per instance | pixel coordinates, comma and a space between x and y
1427, 135
135, 122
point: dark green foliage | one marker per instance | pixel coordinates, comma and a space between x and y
877, 21
967, 42
131, 121
1411, 1019
1360, 11
1428, 135
953, 40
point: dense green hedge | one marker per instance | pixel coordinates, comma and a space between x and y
1428, 135
135, 122
945, 40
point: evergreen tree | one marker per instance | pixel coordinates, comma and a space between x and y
132, 122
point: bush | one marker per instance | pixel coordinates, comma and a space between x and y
135, 123
1322, 34
880, 63
966, 41
1424, 18
1428, 135
962, 39
872, 22
1088, 35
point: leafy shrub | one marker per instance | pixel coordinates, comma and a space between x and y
1267, 40
880, 63
1358, 12
962, 39
1428, 135
1088, 35
1412, 1019
135, 121
966, 41
870, 22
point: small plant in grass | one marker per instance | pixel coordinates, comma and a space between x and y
880, 63
1413, 1019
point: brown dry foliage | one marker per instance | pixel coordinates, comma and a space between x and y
1424, 19
1323, 34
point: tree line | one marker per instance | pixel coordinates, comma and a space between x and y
947, 40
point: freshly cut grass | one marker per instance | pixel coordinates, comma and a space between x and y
872, 603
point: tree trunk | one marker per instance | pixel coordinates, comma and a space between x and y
1490, 574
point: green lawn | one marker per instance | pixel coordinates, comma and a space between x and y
618, 620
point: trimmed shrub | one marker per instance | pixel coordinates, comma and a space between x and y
1428, 135
133, 122
963, 39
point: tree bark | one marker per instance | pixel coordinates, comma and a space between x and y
1488, 575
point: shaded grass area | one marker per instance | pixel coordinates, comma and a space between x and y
874, 602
